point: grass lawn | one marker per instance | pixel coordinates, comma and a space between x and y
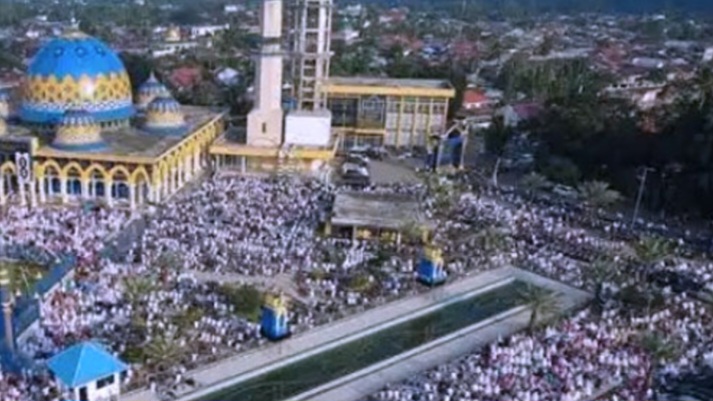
23, 275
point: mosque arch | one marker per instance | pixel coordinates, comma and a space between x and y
139, 173
89, 171
119, 179
49, 174
8, 180
43, 167
8, 168
141, 182
72, 173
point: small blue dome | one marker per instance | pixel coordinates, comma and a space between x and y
76, 71
153, 86
77, 131
150, 90
165, 104
164, 116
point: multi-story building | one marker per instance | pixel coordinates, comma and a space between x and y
402, 113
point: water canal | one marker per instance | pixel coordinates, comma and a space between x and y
311, 372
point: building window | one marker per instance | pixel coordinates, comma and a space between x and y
107, 381
264, 128
344, 111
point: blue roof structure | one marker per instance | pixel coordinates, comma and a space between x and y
84, 363
76, 70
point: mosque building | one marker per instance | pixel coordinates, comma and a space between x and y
80, 135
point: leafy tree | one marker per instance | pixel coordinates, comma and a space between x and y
138, 67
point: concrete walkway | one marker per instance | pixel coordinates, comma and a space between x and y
226, 373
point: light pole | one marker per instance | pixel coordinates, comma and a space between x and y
642, 186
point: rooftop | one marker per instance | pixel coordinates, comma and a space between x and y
398, 82
131, 141
84, 363
376, 210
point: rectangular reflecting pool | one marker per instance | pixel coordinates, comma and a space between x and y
320, 369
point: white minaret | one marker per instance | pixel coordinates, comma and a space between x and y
265, 119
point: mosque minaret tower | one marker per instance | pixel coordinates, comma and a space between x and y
265, 121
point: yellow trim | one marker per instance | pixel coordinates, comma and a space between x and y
121, 169
243, 150
361, 131
87, 173
336, 89
71, 166
8, 166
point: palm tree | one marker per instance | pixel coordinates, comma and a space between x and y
492, 239
542, 303
660, 350
496, 138
600, 272
136, 288
597, 194
412, 231
163, 352
534, 182
651, 250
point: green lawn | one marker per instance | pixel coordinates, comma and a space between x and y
23, 275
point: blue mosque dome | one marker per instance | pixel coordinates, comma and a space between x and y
150, 90
164, 116
78, 131
76, 71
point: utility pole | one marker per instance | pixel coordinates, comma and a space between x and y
642, 186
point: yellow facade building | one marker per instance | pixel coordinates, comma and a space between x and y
402, 113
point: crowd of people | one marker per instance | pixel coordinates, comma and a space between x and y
600, 354
151, 308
